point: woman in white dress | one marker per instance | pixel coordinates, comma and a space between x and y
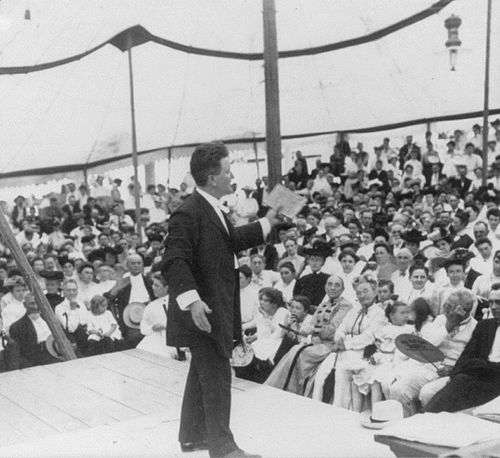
348, 260
268, 337
421, 286
287, 280
154, 321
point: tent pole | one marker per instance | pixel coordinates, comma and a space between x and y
137, 190
86, 177
46, 310
256, 152
486, 95
169, 156
273, 133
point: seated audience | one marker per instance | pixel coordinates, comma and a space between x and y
301, 363
475, 378
450, 332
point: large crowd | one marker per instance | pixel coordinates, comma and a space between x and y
393, 241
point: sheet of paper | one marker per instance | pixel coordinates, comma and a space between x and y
444, 429
289, 203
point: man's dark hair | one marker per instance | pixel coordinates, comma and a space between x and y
388, 283
482, 240
205, 161
493, 212
246, 271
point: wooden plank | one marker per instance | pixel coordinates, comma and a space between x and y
15, 386
21, 422
121, 388
179, 366
150, 374
70, 397
237, 383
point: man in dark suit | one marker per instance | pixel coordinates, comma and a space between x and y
434, 176
27, 338
134, 288
461, 184
475, 378
200, 267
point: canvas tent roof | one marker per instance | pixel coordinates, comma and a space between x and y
75, 114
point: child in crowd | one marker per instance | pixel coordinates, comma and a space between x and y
386, 355
104, 335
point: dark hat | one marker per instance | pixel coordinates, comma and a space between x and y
52, 275
428, 190
19, 197
414, 236
88, 238
114, 250
457, 256
463, 216
284, 226
380, 232
496, 122
64, 259
97, 255
463, 242
381, 218
155, 237
319, 248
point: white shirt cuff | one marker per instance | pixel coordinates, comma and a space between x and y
185, 300
266, 226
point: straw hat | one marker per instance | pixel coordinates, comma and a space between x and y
132, 314
383, 413
53, 347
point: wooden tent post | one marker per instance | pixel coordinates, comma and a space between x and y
46, 310
273, 131
256, 152
137, 190
486, 95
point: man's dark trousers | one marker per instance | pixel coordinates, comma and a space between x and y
206, 404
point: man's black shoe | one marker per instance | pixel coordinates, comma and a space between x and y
192, 446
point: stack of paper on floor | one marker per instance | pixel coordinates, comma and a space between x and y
444, 429
489, 411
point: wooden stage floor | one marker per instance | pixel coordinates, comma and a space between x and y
128, 404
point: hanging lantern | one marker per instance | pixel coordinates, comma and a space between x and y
453, 43
27, 15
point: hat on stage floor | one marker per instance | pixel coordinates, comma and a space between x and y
53, 347
132, 314
383, 413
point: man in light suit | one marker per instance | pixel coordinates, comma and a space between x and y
200, 267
